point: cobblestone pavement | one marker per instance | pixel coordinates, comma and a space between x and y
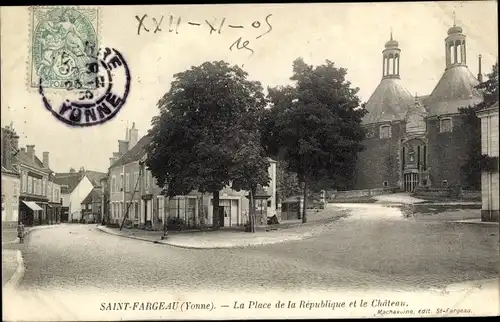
355, 253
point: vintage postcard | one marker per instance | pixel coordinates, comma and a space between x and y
250, 161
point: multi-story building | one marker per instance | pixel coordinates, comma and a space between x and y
133, 192
10, 198
75, 187
490, 178
34, 178
418, 141
10, 178
39, 196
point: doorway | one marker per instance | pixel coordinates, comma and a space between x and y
411, 181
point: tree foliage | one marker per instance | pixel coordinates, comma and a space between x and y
205, 136
287, 183
315, 125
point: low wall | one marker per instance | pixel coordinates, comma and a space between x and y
351, 194
432, 193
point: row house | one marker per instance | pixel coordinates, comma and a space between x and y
37, 193
10, 198
10, 179
75, 188
40, 195
133, 193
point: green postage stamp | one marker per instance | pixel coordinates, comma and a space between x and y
64, 43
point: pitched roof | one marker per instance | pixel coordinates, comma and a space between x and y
389, 102
7, 171
455, 89
95, 177
94, 195
133, 154
69, 181
25, 159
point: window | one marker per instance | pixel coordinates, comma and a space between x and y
147, 179
30, 185
445, 125
385, 132
113, 184
386, 183
445, 183
25, 182
136, 212
269, 204
121, 182
127, 182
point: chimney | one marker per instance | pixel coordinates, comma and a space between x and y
122, 147
480, 74
111, 161
82, 170
72, 170
31, 151
116, 155
46, 160
133, 136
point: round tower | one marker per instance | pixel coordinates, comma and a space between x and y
456, 53
391, 55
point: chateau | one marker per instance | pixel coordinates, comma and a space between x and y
418, 141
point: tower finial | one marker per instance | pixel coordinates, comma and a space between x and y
454, 18
391, 33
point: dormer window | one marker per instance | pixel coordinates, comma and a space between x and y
385, 132
445, 125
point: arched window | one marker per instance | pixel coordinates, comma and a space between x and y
385, 132
445, 125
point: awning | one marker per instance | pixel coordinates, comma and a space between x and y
32, 205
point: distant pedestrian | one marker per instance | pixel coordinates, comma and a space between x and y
20, 231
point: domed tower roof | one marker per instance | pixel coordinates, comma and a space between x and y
390, 100
456, 88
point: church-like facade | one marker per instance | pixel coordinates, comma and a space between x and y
418, 141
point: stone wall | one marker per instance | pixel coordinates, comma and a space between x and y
447, 152
351, 194
380, 160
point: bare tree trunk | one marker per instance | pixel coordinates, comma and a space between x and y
215, 211
304, 208
252, 210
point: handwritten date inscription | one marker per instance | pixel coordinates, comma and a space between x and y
153, 25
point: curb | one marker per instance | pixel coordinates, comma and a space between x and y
197, 247
478, 223
13, 282
29, 232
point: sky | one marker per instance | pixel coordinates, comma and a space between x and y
352, 35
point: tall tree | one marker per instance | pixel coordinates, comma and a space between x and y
204, 120
472, 168
315, 125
